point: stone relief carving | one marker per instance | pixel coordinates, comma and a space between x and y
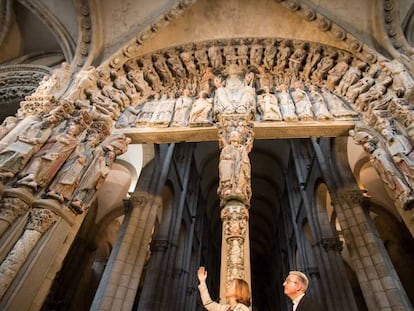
347, 84
389, 158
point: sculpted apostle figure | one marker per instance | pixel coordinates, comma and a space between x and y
234, 170
47, 161
68, 177
14, 157
93, 178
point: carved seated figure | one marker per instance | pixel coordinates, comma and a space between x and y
236, 95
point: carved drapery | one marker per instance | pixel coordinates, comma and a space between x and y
391, 155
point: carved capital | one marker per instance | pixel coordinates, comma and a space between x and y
235, 220
352, 197
332, 244
12, 208
41, 219
139, 199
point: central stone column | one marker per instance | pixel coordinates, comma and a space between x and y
236, 140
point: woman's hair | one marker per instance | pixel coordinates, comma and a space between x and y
242, 292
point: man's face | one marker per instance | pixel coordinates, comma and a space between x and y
292, 286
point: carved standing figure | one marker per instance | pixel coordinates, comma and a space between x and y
93, 178
14, 157
234, 170
47, 161
303, 105
68, 177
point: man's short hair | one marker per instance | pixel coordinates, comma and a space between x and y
302, 277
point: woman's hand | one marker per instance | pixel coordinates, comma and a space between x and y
202, 274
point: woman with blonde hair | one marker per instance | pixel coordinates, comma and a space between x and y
237, 294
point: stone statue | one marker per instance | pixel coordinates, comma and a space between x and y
68, 177
296, 60
242, 54
121, 83
215, 56
128, 116
283, 54
202, 111
116, 96
163, 111
164, 72
394, 181
256, 53
47, 161
319, 107
200, 54
269, 55
337, 107
234, 170
374, 93
136, 76
144, 117
402, 152
14, 157
236, 96
188, 59
363, 85
312, 60
150, 74
303, 105
93, 178
182, 109
8, 124
229, 52
102, 104
350, 77
268, 106
337, 72
287, 107
175, 64
52, 84
324, 66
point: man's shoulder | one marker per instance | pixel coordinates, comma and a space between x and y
308, 303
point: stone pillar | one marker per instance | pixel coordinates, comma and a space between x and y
235, 247
378, 279
38, 223
120, 281
236, 140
